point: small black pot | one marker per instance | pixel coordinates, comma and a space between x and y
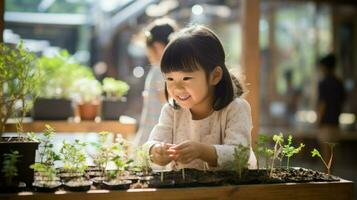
78, 185
112, 109
116, 185
157, 183
52, 109
46, 186
27, 151
12, 188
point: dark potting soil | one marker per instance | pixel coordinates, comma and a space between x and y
78, 185
116, 184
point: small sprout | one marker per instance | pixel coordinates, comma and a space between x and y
328, 165
9, 166
278, 139
241, 157
261, 149
289, 151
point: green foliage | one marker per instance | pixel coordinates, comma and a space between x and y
114, 89
289, 151
261, 150
60, 73
277, 151
87, 89
9, 166
141, 160
328, 165
241, 157
18, 82
74, 156
119, 155
47, 155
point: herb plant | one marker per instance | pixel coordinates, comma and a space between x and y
289, 151
328, 165
9, 166
276, 152
47, 155
241, 157
74, 157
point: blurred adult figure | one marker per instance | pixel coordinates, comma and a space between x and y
292, 97
331, 96
157, 36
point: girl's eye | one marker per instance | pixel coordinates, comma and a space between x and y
169, 79
187, 78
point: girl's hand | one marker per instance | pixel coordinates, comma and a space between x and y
159, 153
186, 151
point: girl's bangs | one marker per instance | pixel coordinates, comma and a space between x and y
179, 57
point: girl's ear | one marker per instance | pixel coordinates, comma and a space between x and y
216, 75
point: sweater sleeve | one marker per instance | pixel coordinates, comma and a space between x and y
162, 132
237, 131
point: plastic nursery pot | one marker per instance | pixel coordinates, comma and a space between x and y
78, 185
187, 182
117, 184
46, 186
12, 188
157, 183
98, 181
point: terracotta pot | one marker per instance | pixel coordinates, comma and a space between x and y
88, 111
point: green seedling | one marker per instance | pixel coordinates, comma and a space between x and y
328, 165
260, 150
47, 155
74, 156
289, 151
278, 139
241, 157
9, 166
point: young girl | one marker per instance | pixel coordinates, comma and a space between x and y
204, 121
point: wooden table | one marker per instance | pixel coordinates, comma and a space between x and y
125, 126
293, 191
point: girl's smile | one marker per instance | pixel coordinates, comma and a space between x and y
191, 90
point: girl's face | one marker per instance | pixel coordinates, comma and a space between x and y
191, 90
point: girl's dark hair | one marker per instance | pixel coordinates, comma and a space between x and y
195, 47
160, 31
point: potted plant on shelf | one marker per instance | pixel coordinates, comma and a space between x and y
18, 83
113, 104
57, 86
88, 91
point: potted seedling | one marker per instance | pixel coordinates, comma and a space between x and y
57, 86
46, 179
328, 165
114, 103
10, 171
241, 157
74, 166
18, 85
88, 91
119, 179
102, 157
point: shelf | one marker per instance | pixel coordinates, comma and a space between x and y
342, 190
126, 126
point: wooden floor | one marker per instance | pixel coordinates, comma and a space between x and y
300, 191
